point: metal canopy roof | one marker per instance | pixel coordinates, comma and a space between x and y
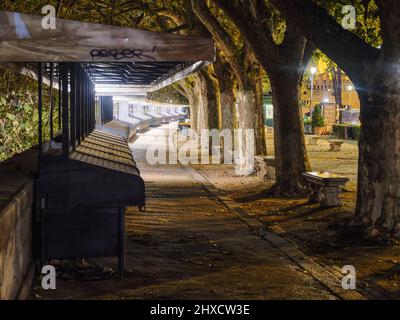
111, 55
145, 76
132, 73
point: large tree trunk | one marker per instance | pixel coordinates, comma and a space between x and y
252, 88
376, 74
250, 114
202, 111
290, 151
196, 91
259, 117
245, 67
190, 86
228, 109
211, 100
193, 109
226, 85
378, 199
245, 140
287, 61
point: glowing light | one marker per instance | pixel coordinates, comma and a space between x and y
313, 70
326, 100
350, 88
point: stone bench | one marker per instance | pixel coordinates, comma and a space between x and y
265, 167
313, 141
326, 188
335, 145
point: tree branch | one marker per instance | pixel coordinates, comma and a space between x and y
178, 28
224, 41
58, 8
344, 47
179, 88
253, 31
308, 52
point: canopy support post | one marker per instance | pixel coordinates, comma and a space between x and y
51, 112
59, 96
65, 115
78, 102
73, 103
40, 111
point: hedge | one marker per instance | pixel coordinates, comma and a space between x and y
317, 118
353, 131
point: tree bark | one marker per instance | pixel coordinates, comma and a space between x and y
259, 114
226, 85
250, 88
290, 151
242, 64
190, 86
245, 143
378, 198
202, 110
203, 96
284, 62
376, 75
211, 99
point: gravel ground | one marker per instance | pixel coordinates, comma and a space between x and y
317, 231
187, 245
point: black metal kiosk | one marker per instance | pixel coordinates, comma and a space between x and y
86, 180
87, 176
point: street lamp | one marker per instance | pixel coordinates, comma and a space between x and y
313, 72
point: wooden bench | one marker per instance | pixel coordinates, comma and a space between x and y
335, 145
313, 141
265, 167
326, 188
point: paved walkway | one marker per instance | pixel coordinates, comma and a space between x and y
188, 245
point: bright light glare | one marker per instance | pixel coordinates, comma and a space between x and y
313, 70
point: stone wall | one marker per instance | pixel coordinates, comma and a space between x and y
16, 266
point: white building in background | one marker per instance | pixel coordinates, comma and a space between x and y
268, 111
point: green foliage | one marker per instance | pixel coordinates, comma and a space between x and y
307, 120
339, 131
368, 23
317, 118
19, 114
266, 83
167, 95
368, 26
